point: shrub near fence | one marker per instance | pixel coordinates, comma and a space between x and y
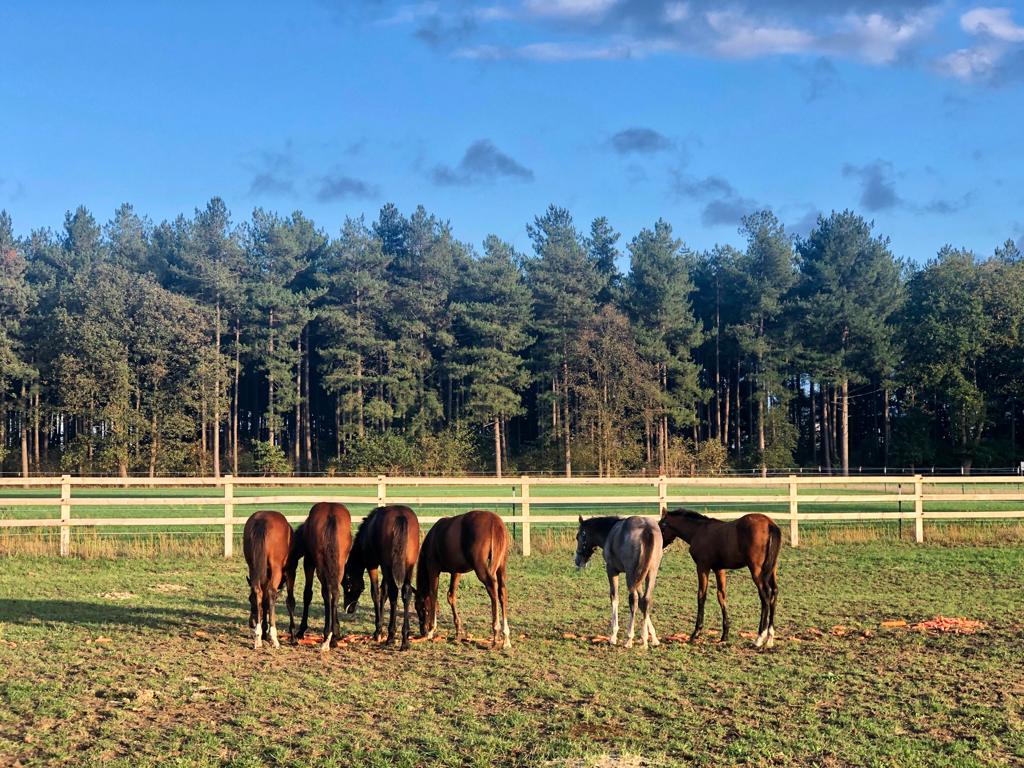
523, 501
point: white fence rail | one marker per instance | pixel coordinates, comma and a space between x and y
527, 494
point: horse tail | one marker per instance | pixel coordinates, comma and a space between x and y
329, 564
399, 546
259, 566
646, 558
771, 554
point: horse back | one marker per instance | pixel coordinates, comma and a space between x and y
266, 543
328, 532
463, 543
396, 529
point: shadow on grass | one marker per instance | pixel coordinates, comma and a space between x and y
75, 613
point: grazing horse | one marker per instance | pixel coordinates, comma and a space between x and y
326, 539
476, 541
752, 541
632, 545
388, 539
266, 542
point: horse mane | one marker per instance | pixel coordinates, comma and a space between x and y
603, 525
688, 514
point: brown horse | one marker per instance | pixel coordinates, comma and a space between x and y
388, 539
266, 542
752, 541
326, 540
476, 541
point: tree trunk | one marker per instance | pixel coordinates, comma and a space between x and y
153, 444
24, 430
739, 427
35, 430
270, 383
887, 428
725, 417
761, 398
296, 433
234, 418
216, 395
813, 426
566, 427
844, 446
497, 446
307, 413
826, 430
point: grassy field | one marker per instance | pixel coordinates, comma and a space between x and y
145, 662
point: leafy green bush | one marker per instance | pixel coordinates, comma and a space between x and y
269, 459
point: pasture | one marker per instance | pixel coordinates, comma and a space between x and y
134, 661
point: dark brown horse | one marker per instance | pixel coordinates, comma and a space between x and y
476, 541
266, 543
325, 543
388, 539
752, 541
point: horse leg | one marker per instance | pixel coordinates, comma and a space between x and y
773, 593
613, 594
290, 602
762, 593
256, 614
503, 597
378, 609
633, 600
271, 613
307, 596
389, 582
452, 586
406, 594
431, 615
702, 593
720, 584
492, 591
646, 602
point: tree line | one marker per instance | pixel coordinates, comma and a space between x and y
202, 345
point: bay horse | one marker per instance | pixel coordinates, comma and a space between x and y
631, 545
325, 542
389, 540
475, 541
752, 541
266, 542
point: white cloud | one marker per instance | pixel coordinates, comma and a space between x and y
982, 60
994, 22
740, 39
552, 52
570, 8
879, 39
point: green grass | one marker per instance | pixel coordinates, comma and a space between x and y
178, 685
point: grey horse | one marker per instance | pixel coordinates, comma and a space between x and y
632, 545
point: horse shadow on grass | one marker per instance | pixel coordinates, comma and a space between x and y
77, 614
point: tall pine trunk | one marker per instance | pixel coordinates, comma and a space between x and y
24, 430
296, 432
566, 428
270, 383
826, 429
307, 413
844, 446
234, 405
497, 446
216, 394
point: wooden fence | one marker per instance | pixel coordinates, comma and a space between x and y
529, 496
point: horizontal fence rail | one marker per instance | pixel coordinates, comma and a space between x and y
525, 495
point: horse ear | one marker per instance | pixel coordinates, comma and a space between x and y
580, 517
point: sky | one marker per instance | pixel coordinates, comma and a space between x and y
909, 112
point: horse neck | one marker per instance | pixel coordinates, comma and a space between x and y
687, 529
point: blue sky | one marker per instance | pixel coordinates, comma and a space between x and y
910, 112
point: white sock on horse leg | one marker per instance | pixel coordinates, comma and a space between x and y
326, 645
257, 635
273, 637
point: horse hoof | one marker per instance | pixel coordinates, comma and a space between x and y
328, 643
770, 642
257, 643
613, 640
629, 643
507, 643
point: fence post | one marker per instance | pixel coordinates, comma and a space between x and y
918, 509
794, 528
524, 488
382, 489
662, 495
229, 514
65, 515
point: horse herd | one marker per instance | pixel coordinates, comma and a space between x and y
387, 548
